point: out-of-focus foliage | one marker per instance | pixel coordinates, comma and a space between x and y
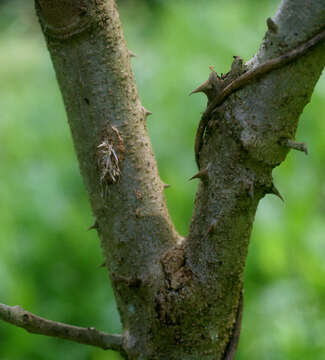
49, 263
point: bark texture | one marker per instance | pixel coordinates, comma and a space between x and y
178, 298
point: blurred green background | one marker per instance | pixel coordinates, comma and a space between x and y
49, 262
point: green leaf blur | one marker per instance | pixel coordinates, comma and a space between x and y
49, 262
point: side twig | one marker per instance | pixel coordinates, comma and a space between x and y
38, 325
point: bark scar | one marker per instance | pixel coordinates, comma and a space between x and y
76, 19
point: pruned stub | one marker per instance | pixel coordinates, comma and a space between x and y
110, 154
77, 17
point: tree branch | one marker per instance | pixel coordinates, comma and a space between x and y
247, 77
108, 125
240, 149
37, 325
185, 291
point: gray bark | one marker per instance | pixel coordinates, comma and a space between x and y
178, 298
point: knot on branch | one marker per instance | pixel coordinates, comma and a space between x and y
76, 18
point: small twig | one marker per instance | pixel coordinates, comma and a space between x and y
291, 144
247, 77
38, 325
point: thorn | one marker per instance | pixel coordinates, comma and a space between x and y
146, 112
201, 174
206, 86
132, 54
211, 87
166, 186
291, 144
95, 225
276, 192
272, 26
102, 265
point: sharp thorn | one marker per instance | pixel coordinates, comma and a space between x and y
93, 226
272, 26
146, 111
166, 186
276, 192
206, 86
201, 174
132, 54
102, 265
291, 144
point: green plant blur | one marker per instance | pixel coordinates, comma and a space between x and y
49, 262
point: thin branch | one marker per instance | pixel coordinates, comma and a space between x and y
38, 325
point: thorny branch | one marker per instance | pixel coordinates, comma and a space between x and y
38, 325
178, 291
247, 77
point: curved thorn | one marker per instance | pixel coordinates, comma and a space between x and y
276, 192
206, 86
166, 186
146, 111
201, 174
132, 54
95, 225
272, 26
